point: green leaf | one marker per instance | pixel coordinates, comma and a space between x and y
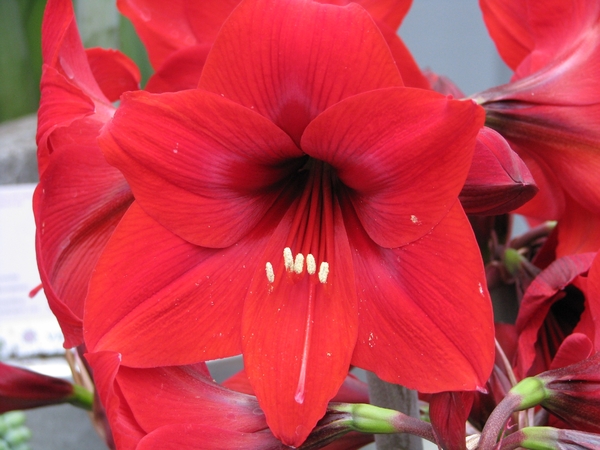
19, 87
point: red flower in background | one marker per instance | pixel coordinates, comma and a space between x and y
558, 310
24, 389
549, 111
573, 393
179, 34
183, 407
300, 209
80, 197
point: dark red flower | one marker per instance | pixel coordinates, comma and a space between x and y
300, 208
573, 393
549, 111
555, 305
24, 389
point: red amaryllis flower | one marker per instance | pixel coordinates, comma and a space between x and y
300, 208
182, 407
549, 111
24, 389
178, 36
555, 305
80, 197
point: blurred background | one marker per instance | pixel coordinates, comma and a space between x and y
448, 37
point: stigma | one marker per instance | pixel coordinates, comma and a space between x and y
298, 264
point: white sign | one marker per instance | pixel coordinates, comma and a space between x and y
27, 326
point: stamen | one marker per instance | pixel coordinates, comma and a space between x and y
288, 259
311, 265
323, 272
270, 273
299, 263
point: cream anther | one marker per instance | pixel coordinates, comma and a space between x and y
311, 265
323, 272
288, 259
270, 273
299, 263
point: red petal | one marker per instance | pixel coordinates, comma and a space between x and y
166, 27
593, 298
77, 204
239, 382
202, 166
114, 72
173, 302
549, 202
180, 71
61, 104
390, 12
578, 230
69, 90
575, 348
498, 180
173, 395
296, 329
353, 390
62, 48
124, 427
448, 412
425, 313
193, 436
555, 26
142, 403
538, 299
402, 180
507, 23
443, 84
301, 58
559, 144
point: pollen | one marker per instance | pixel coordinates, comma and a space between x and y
299, 263
323, 272
295, 265
288, 259
414, 219
311, 265
270, 273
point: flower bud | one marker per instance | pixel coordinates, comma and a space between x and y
24, 389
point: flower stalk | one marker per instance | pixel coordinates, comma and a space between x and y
549, 438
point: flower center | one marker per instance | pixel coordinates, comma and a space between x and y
296, 266
311, 235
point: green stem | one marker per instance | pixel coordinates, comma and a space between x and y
526, 394
82, 398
